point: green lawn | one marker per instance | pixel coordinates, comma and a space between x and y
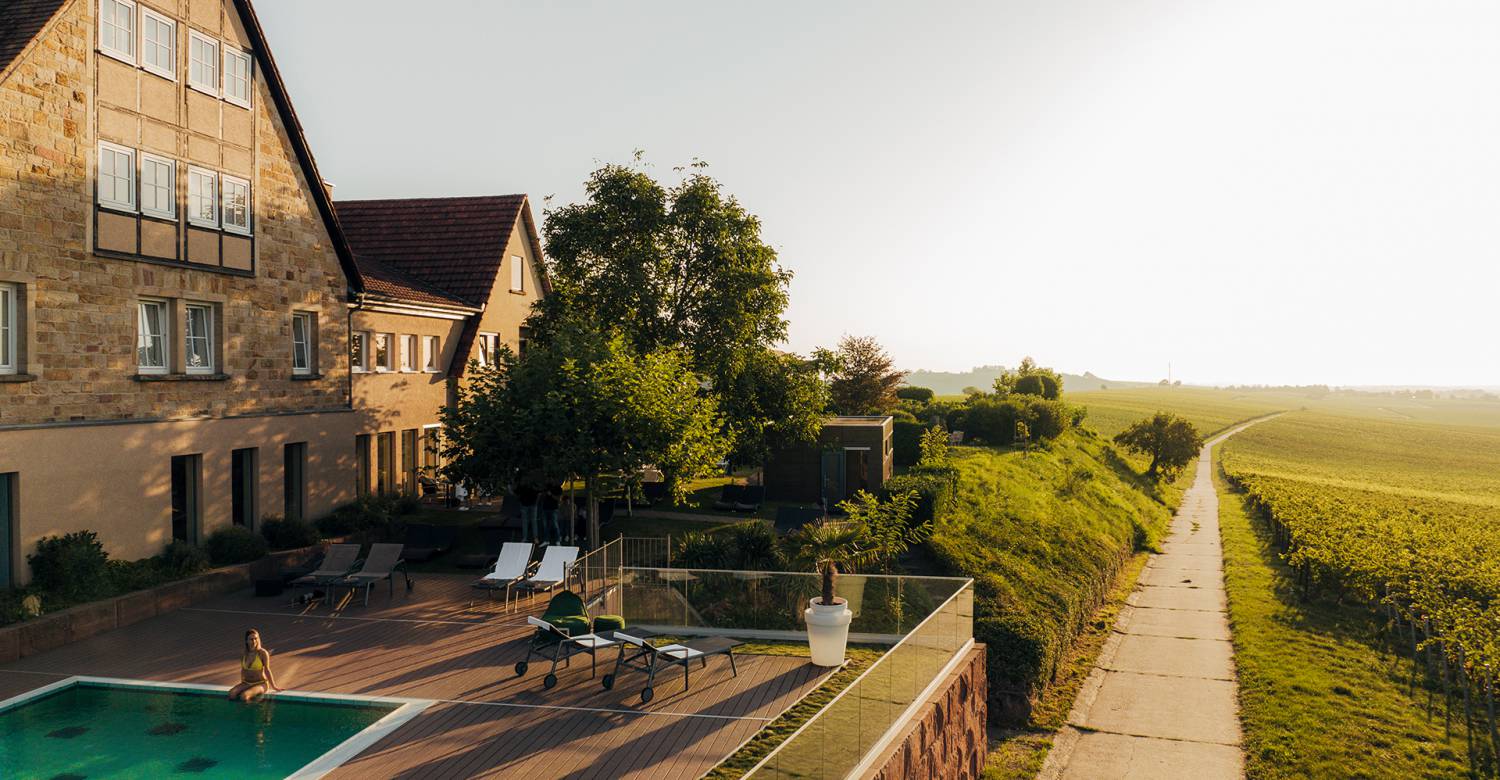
1319, 696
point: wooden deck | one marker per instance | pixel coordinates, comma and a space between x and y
435, 644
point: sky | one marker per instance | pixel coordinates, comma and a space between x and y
1252, 192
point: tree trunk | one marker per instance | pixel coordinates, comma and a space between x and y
827, 586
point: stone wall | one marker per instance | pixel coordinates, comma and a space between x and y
79, 329
945, 738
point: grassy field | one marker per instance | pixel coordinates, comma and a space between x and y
1320, 695
1209, 410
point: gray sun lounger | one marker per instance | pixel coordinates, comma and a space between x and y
681, 654
381, 564
338, 561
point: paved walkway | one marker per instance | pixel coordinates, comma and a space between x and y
1162, 701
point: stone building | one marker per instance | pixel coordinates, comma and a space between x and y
175, 285
447, 281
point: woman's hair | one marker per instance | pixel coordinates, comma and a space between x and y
251, 632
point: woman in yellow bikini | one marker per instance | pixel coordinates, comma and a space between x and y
255, 670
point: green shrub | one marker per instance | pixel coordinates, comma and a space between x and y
918, 394
183, 559
992, 419
72, 566
284, 534
235, 544
745, 547
377, 513
935, 489
126, 576
906, 438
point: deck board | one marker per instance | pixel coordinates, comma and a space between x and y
439, 642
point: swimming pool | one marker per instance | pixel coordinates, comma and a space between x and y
87, 728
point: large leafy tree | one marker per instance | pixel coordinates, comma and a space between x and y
684, 267
583, 405
862, 378
1030, 379
1170, 441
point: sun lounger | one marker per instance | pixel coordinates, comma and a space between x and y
729, 497
512, 566
563, 632
425, 541
790, 518
380, 564
338, 561
654, 658
553, 569
750, 498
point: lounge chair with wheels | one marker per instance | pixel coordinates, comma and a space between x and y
338, 561
730, 497
381, 564
651, 659
511, 567
562, 632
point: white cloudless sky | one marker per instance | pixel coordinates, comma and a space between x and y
1254, 192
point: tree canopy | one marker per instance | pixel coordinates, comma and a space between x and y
862, 378
1170, 441
1030, 379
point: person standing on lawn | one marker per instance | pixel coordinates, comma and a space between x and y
526, 496
551, 500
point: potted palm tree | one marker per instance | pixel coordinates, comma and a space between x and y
829, 548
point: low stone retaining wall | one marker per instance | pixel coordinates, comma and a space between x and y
56, 629
945, 739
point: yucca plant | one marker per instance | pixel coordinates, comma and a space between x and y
829, 547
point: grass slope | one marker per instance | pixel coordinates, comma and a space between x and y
1044, 536
1319, 697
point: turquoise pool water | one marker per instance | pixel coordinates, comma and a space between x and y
91, 730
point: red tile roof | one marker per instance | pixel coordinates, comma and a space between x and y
383, 281
453, 244
20, 21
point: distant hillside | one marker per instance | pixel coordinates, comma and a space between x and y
983, 377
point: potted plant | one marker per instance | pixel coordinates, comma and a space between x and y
829, 547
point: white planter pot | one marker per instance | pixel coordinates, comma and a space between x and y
827, 632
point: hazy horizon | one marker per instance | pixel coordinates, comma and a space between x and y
1269, 193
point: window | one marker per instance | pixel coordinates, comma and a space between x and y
244, 486
294, 480
187, 486
8, 525
203, 188
302, 343
362, 463
409, 461
384, 360
237, 70
198, 342
158, 186
9, 327
151, 337
117, 29
385, 464
116, 177
517, 273
158, 44
408, 353
359, 351
203, 63
489, 348
432, 449
432, 352
236, 205
523, 340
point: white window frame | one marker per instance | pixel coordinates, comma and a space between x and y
517, 274
147, 160
225, 183
193, 199
308, 327
10, 326
489, 343
208, 338
389, 364
408, 353
363, 337
432, 352
117, 53
144, 46
206, 88
231, 53
132, 178
165, 336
